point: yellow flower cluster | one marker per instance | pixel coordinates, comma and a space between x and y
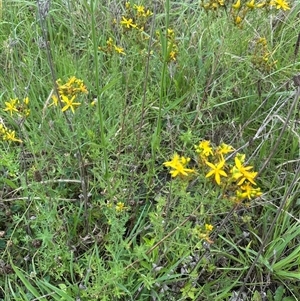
136, 17
135, 24
178, 166
262, 57
204, 232
240, 8
236, 179
212, 4
15, 106
111, 47
7, 135
231, 177
120, 207
68, 93
171, 46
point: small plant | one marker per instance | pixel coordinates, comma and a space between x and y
262, 57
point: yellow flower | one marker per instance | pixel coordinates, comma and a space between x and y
94, 102
203, 232
82, 89
26, 112
110, 43
208, 227
119, 50
69, 103
120, 207
2, 129
140, 9
170, 32
237, 5
72, 87
148, 13
204, 148
251, 4
262, 41
280, 4
206, 6
11, 106
173, 55
241, 172
215, 5
224, 149
71, 80
217, 170
238, 20
54, 102
247, 191
78, 86
26, 101
178, 165
11, 136
128, 23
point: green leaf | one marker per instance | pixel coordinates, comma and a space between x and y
279, 293
10, 183
256, 296
58, 291
26, 283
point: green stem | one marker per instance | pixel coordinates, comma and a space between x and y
98, 89
163, 83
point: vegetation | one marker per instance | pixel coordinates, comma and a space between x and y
150, 150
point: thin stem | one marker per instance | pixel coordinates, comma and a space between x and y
163, 85
98, 89
146, 77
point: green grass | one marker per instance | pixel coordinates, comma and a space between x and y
62, 236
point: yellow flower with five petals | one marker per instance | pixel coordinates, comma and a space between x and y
217, 170
69, 103
11, 106
241, 172
178, 164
